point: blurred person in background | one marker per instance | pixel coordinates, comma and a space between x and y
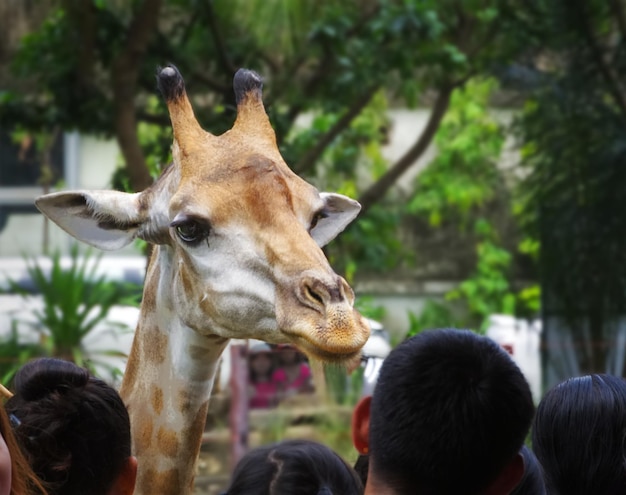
262, 389
293, 374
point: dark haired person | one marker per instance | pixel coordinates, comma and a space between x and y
73, 428
299, 467
579, 436
16, 476
449, 415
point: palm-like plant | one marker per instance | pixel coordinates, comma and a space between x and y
13, 353
76, 299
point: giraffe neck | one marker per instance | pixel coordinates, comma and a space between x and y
166, 387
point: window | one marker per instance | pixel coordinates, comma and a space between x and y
20, 172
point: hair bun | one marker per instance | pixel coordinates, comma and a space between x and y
49, 375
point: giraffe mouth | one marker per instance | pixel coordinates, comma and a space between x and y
314, 350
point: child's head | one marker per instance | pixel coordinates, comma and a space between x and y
578, 435
288, 355
260, 361
294, 466
449, 414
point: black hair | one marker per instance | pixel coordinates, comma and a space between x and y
294, 466
361, 466
579, 436
72, 427
532, 481
449, 411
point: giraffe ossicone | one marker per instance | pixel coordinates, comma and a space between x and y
237, 254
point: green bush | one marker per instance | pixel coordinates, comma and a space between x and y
75, 300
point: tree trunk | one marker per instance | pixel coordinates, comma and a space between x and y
124, 77
379, 188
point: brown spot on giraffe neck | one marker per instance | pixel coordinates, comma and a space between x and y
131, 372
197, 427
155, 346
157, 400
148, 303
167, 442
184, 402
155, 482
143, 435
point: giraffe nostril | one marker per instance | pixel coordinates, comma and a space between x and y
313, 295
313, 292
319, 293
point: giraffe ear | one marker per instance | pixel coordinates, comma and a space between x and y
340, 211
108, 220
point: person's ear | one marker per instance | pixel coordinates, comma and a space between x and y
125, 482
509, 477
361, 425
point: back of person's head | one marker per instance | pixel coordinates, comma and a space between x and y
294, 466
532, 482
73, 428
449, 415
579, 436
20, 479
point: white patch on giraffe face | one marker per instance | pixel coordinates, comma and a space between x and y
232, 275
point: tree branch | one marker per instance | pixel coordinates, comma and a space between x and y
379, 188
83, 16
314, 81
124, 79
608, 75
308, 160
618, 12
321, 72
211, 82
217, 39
151, 118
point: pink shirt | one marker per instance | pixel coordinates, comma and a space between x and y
264, 394
280, 377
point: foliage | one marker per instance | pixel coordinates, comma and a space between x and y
366, 306
461, 187
339, 63
574, 150
90, 67
335, 431
434, 314
463, 177
14, 352
75, 301
487, 290
331, 428
343, 388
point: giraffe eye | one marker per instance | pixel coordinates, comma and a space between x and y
191, 231
316, 218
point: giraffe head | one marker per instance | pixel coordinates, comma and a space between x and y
241, 232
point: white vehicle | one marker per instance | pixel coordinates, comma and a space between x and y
107, 344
